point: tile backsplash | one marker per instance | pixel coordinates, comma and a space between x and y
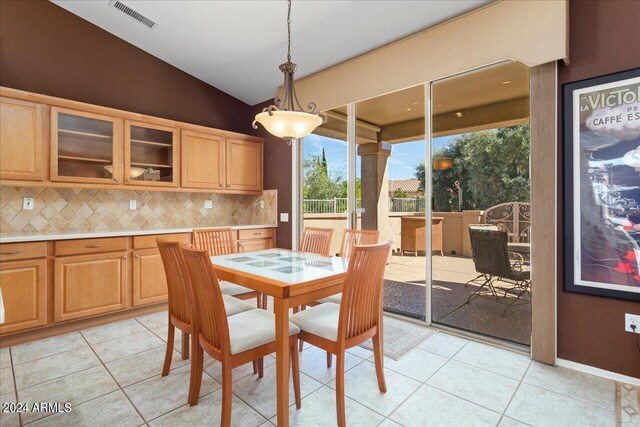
84, 210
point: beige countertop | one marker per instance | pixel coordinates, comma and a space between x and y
68, 235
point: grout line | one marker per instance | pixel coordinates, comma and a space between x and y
114, 380
514, 393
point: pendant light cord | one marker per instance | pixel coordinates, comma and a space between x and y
289, 31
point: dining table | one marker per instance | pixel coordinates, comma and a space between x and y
293, 279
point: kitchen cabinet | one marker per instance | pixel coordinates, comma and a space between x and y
244, 165
24, 294
149, 281
85, 147
256, 239
87, 285
203, 164
151, 155
22, 139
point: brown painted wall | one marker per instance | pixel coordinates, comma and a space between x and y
277, 174
45, 49
603, 39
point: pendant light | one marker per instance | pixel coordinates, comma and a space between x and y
281, 118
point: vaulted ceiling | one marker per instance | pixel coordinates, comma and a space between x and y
237, 46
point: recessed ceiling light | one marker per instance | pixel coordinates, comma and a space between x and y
439, 105
409, 109
506, 82
416, 103
458, 114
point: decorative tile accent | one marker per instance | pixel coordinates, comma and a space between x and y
627, 405
83, 210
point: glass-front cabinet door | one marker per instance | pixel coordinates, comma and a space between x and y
151, 155
86, 147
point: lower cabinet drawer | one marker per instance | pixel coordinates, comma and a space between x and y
144, 242
149, 280
255, 233
16, 251
90, 246
24, 294
254, 245
86, 285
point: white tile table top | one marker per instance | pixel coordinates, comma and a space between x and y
283, 266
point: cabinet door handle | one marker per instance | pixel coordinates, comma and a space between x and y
96, 246
10, 252
136, 256
257, 233
128, 180
124, 258
116, 179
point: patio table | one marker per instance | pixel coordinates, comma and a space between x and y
292, 279
523, 249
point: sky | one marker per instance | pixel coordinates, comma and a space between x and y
404, 156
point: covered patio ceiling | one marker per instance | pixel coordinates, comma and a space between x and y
492, 97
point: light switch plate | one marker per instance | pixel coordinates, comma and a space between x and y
284, 217
208, 204
27, 204
133, 204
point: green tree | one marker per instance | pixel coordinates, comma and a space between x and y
319, 182
400, 193
491, 166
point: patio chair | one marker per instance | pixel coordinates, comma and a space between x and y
491, 259
220, 241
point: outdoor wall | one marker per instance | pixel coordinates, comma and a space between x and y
455, 236
603, 39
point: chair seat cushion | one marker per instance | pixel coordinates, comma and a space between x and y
321, 320
234, 306
228, 288
251, 329
336, 299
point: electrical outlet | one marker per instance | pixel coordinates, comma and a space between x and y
133, 204
284, 217
632, 319
261, 204
27, 204
208, 204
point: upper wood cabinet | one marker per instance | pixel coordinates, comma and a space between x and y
203, 163
22, 130
244, 165
85, 147
151, 155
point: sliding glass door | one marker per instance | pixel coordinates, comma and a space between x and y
480, 270
371, 167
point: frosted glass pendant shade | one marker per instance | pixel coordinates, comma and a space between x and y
289, 124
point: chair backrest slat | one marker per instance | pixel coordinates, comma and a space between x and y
316, 240
179, 290
352, 237
211, 315
218, 241
361, 306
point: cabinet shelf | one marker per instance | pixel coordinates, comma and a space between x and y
150, 165
106, 138
152, 143
85, 159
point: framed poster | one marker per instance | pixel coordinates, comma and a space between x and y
602, 185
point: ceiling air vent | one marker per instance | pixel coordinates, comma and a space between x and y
147, 22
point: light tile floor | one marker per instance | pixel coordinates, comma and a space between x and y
111, 376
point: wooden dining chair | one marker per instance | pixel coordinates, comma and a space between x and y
335, 328
350, 238
220, 241
233, 340
316, 240
181, 304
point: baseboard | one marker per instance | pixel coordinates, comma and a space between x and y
598, 372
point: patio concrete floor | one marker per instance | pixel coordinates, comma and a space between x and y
449, 295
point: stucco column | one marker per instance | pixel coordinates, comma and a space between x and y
375, 186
